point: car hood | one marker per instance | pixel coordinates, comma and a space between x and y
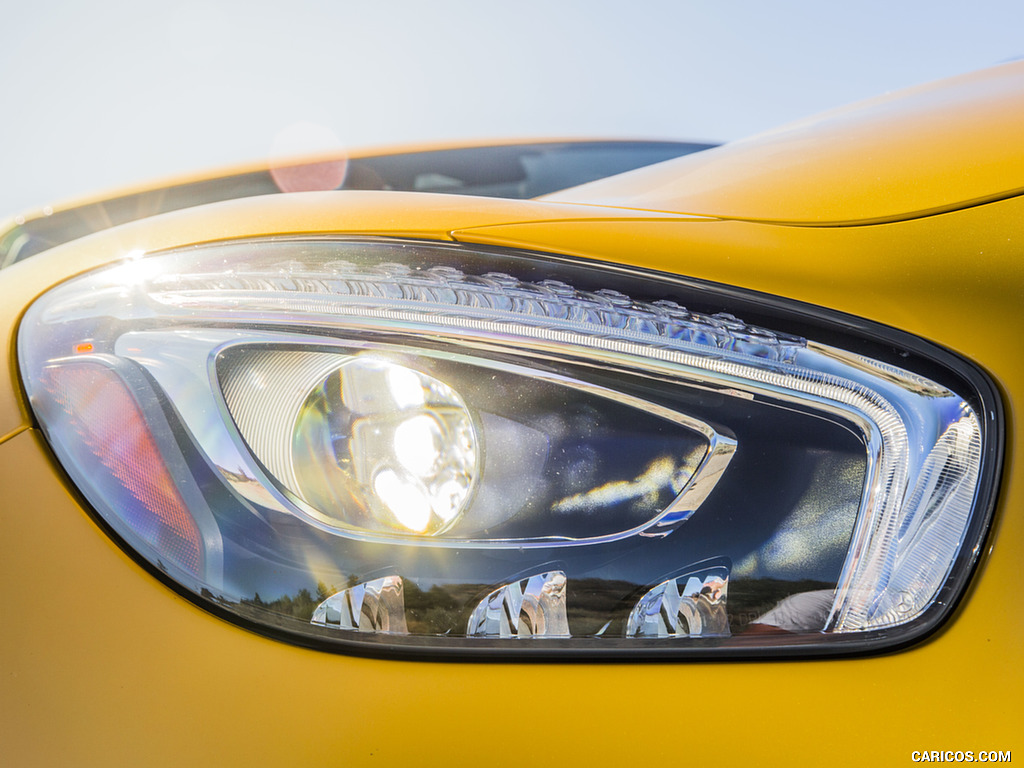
926, 150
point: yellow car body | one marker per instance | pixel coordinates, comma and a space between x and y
907, 211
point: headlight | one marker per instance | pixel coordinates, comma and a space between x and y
355, 444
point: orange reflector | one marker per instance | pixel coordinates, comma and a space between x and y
110, 422
83, 348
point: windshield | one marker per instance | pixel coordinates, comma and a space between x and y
511, 171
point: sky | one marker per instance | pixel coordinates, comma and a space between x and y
111, 93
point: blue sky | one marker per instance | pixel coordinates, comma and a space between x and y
105, 94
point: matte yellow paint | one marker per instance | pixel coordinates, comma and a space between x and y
101, 665
912, 153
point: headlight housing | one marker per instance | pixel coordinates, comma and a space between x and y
403, 447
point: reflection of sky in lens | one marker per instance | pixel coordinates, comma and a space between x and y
604, 467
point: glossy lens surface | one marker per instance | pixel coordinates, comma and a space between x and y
395, 447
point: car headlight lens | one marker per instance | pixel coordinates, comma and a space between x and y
399, 446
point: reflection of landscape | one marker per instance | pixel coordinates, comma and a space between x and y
751, 598
593, 605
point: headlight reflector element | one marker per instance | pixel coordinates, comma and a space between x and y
376, 450
402, 442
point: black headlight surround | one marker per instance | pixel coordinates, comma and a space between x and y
826, 326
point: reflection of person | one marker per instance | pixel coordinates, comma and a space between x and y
802, 612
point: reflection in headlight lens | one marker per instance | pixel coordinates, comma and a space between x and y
533, 607
692, 605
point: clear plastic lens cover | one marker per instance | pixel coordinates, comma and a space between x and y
401, 447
